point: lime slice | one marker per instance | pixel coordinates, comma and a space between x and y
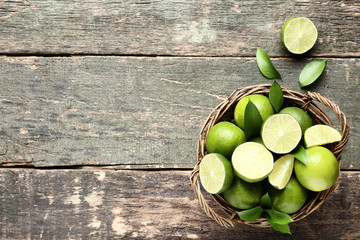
299, 35
216, 173
281, 133
321, 134
252, 162
282, 171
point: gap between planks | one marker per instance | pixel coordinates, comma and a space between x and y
45, 55
133, 167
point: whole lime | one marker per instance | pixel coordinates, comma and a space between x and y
321, 171
300, 116
243, 195
223, 138
290, 199
261, 102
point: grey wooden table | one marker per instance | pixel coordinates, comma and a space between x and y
101, 104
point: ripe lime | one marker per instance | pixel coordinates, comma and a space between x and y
290, 199
300, 116
321, 171
321, 134
283, 168
223, 138
299, 35
261, 102
252, 162
281, 133
216, 173
243, 195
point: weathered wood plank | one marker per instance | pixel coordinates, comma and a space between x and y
100, 204
137, 112
177, 27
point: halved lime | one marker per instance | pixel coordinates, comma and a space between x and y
216, 173
321, 134
283, 168
281, 133
299, 35
252, 162
302, 117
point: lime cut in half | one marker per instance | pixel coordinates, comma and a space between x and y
299, 35
216, 173
280, 175
281, 133
321, 134
252, 162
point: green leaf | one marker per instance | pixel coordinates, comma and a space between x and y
311, 72
251, 214
265, 65
253, 121
284, 228
276, 96
278, 217
265, 201
300, 154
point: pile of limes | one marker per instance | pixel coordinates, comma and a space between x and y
243, 170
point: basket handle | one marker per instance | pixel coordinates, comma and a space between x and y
194, 180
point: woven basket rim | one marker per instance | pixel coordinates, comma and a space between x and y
308, 101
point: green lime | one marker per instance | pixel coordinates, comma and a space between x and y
252, 162
321, 134
261, 102
290, 199
223, 138
299, 35
216, 173
300, 116
321, 171
243, 195
281, 133
281, 173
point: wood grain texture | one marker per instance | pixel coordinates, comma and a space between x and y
134, 112
176, 27
101, 204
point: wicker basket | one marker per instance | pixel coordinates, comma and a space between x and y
224, 112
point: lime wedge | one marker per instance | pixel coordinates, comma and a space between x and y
321, 134
282, 171
299, 35
216, 173
281, 133
252, 162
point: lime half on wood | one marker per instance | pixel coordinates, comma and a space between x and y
299, 35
